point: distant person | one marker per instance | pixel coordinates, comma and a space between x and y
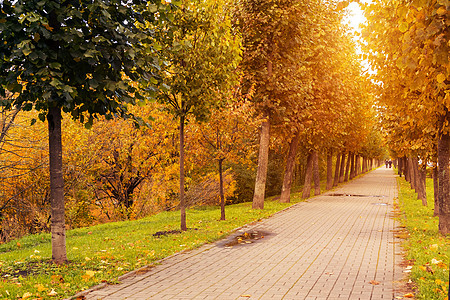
390, 163
386, 162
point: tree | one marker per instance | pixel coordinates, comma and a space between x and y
79, 57
275, 37
224, 138
408, 45
199, 53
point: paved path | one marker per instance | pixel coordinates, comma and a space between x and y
330, 247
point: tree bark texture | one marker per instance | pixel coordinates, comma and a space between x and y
358, 165
58, 224
412, 175
352, 166
436, 190
347, 167
316, 174
406, 169
222, 195
422, 184
336, 170
400, 166
416, 174
307, 185
342, 169
288, 173
444, 183
329, 169
263, 160
183, 225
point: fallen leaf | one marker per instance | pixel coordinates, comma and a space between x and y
90, 273
408, 267
52, 293
434, 261
434, 247
246, 296
27, 295
374, 282
40, 287
409, 295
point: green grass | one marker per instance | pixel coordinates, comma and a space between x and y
425, 247
102, 253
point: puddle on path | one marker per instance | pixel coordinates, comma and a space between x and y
353, 195
244, 238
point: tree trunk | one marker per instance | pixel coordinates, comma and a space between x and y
412, 175
290, 163
406, 169
415, 165
263, 160
400, 166
347, 168
341, 168
336, 170
444, 183
422, 184
330, 169
358, 165
307, 185
58, 229
352, 165
436, 190
222, 196
182, 178
316, 174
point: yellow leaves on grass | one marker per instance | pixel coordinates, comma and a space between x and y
27, 295
89, 274
40, 287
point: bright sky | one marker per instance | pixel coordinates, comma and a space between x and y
356, 15
355, 18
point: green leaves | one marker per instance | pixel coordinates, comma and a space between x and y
54, 51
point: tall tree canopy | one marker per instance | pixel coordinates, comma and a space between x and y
199, 52
78, 56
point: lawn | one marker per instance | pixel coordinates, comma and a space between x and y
426, 249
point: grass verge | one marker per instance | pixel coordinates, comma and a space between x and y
426, 249
103, 253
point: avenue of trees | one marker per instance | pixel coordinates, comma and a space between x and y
408, 47
155, 105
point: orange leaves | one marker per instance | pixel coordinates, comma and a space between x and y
409, 295
342, 5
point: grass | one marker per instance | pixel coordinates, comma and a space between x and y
426, 249
103, 253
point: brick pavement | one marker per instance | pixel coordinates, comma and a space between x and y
330, 247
